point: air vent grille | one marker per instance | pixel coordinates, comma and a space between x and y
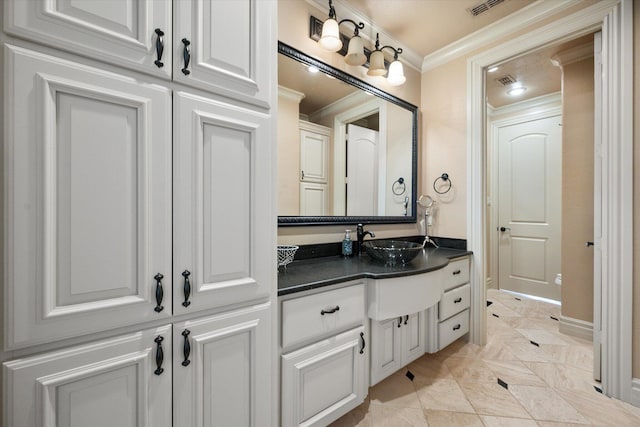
484, 7
506, 80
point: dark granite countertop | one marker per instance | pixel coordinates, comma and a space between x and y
314, 273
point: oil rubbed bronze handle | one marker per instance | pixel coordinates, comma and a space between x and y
186, 56
406, 319
455, 273
330, 311
363, 342
186, 288
400, 322
186, 348
159, 355
159, 293
159, 48
455, 328
457, 300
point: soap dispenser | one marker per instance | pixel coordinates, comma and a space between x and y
347, 244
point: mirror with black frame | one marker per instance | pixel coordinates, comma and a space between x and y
347, 151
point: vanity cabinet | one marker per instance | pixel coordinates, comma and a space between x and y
325, 361
395, 343
449, 319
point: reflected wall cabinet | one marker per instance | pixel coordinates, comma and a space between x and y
138, 185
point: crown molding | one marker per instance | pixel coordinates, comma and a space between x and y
543, 102
572, 55
508, 25
344, 10
290, 94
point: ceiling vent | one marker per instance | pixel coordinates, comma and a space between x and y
481, 8
506, 80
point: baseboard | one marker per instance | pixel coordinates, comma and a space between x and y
576, 328
635, 392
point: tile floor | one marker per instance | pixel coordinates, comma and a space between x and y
548, 384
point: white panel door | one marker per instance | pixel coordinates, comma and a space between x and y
413, 337
313, 156
123, 381
324, 381
130, 33
530, 197
386, 349
313, 199
362, 173
222, 369
222, 199
226, 46
88, 200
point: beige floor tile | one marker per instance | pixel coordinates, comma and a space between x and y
633, 410
530, 353
496, 350
501, 310
514, 372
556, 424
451, 419
577, 356
359, 417
529, 323
470, 369
385, 416
543, 403
490, 421
396, 391
563, 376
599, 409
492, 399
543, 336
426, 367
442, 395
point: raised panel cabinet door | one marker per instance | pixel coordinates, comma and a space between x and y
222, 369
386, 351
413, 337
227, 47
87, 200
223, 226
313, 156
123, 381
130, 33
325, 380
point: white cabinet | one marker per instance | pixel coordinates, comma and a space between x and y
124, 381
88, 200
395, 343
129, 33
222, 247
222, 369
314, 152
313, 199
325, 380
223, 46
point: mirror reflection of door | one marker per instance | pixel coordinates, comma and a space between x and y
362, 175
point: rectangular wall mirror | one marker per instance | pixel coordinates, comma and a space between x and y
347, 151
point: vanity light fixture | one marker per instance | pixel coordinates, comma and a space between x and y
330, 39
376, 68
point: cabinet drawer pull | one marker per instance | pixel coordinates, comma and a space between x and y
330, 311
186, 288
159, 48
159, 355
406, 319
363, 343
186, 347
159, 293
186, 56
455, 328
400, 322
457, 300
455, 273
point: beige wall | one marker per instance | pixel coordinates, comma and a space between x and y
577, 189
636, 191
293, 29
289, 155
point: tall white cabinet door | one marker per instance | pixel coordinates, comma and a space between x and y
413, 337
131, 33
314, 150
123, 381
87, 199
222, 199
386, 350
222, 369
226, 46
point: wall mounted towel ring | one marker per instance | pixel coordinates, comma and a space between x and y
399, 187
445, 178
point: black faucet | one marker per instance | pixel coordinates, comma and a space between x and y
361, 233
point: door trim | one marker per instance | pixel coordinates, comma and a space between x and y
616, 20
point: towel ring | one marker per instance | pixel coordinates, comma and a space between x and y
400, 188
444, 177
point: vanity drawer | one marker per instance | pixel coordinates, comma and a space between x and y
456, 273
454, 301
453, 328
321, 314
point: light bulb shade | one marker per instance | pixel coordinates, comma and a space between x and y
396, 74
355, 54
376, 64
330, 39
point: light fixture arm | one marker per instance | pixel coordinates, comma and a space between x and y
359, 26
396, 52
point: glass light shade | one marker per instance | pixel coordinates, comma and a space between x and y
330, 39
355, 55
396, 74
376, 64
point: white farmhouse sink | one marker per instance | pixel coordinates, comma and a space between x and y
398, 296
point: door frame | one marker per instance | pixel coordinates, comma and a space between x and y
534, 109
615, 19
